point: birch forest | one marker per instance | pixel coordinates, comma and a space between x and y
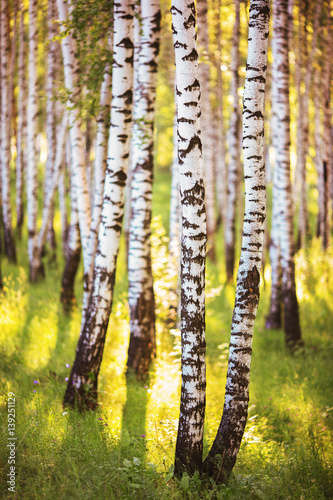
166, 249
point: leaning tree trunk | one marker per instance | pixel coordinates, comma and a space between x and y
222, 456
141, 300
282, 186
82, 384
10, 249
207, 131
234, 147
21, 127
32, 202
193, 244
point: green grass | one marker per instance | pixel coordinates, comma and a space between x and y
126, 449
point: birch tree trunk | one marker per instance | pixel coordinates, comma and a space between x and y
282, 186
174, 222
273, 319
50, 119
193, 243
82, 384
73, 254
99, 174
207, 131
21, 127
303, 211
327, 160
223, 454
32, 202
141, 300
234, 149
220, 163
10, 250
79, 174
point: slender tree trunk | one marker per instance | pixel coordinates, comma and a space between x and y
207, 131
281, 141
82, 384
73, 254
220, 163
223, 454
79, 173
62, 204
234, 149
141, 300
32, 165
9, 242
21, 127
48, 208
174, 222
303, 222
273, 319
327, 160
50, 120
99, 170
193, 244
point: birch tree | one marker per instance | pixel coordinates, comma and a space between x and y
83, 380
282, 183
32, 202
234, 148
193, 241
222, 456
21, 126
141, 293
9, 242
207, 131
79, 174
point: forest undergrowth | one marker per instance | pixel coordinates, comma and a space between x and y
126, 448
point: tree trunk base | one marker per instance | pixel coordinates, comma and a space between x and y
67, 296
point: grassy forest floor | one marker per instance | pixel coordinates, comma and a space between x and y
126, 449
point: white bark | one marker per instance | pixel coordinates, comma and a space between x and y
234, 149
5, 135
194, 238
282, 185
207, 131
230, 432
21, 126
79, 174
32, 202
141, 294
82, 385
99, 175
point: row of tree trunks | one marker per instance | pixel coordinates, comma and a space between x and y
5, 114
141, 293
193, 243
83, 380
